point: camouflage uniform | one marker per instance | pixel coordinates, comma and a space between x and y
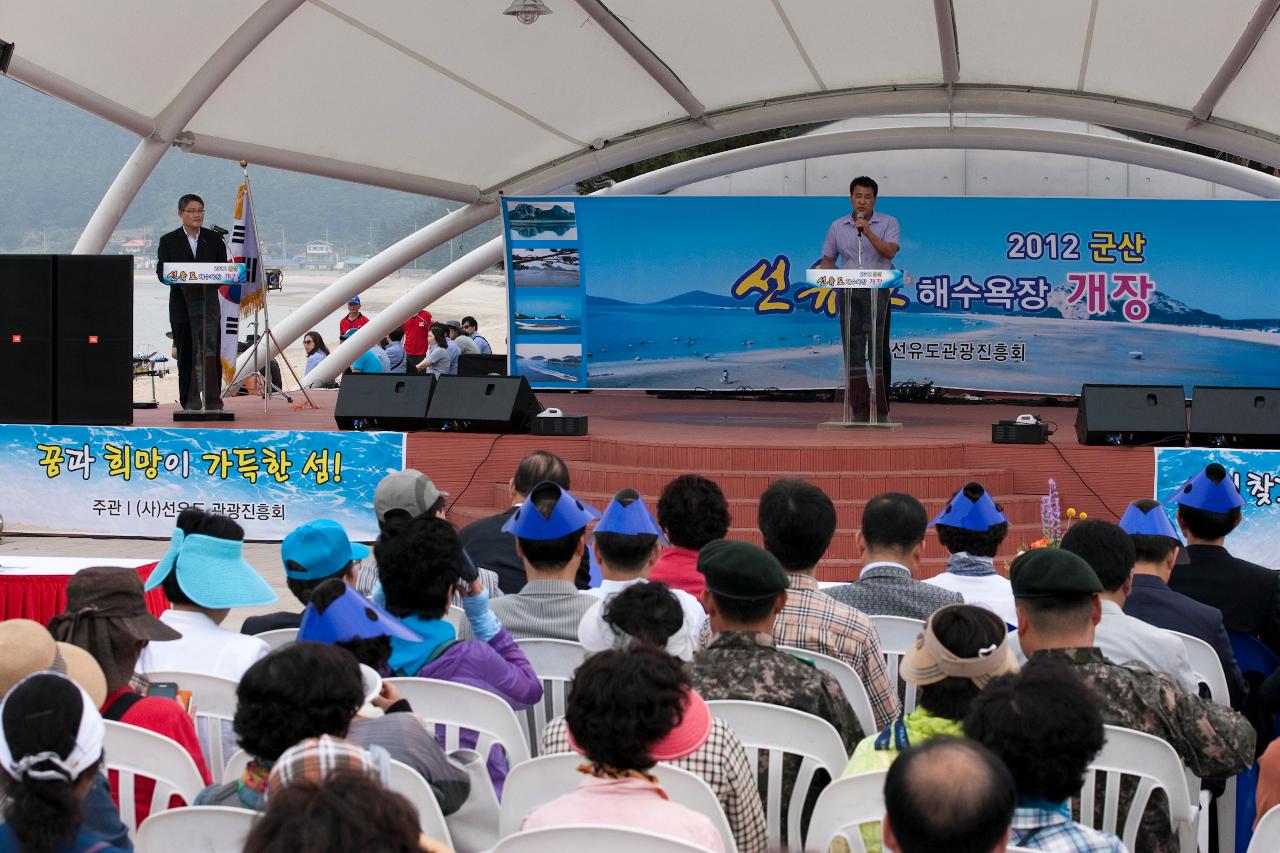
746, 666
1211, 739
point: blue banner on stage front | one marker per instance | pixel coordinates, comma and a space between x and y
1256, 474
1027, 295
133, 481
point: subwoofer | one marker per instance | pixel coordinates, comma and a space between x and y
388, 401
1235, 417
1132, 415
483, 404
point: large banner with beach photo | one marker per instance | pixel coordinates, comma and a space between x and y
1004, 294
134, 481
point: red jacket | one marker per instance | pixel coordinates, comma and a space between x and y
678, 568
417, 331
345, 324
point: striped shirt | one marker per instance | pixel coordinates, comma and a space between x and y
543, 609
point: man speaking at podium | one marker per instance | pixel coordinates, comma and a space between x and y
865, 240
189, 307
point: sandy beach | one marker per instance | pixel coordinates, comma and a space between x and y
483, 297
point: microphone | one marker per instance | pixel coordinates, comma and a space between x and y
855, 216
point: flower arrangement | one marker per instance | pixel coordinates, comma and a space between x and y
1051, 524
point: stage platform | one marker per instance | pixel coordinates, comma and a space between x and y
642, 441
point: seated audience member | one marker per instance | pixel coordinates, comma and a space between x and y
642, 613
368, 362
798, 521
394, 351
948, 794
1045, 726
107, 616
463, 341
419, 569
346, 812
1248, 595
316, 350
339, 615
1121, 638
471, 328
1157, 552
550, 529
971, 527
204, 575
399, 498
626, 547
628, 710
960, 650
28, 649
893, 528
438, 360
493, 549
692, 511
745, 592
1057, 597
50, 748
312, 553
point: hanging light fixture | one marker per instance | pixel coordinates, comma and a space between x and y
527, 11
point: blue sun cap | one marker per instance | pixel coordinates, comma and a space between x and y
319, 549
212, 572
351, 616
1201, 492
568, 515
1151, 522
627, 514
967, 514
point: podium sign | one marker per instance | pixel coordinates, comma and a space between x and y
864, 386
204, 273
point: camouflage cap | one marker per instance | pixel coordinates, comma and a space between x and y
1050, 572
741, 570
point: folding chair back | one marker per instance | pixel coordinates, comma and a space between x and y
214, 700
850, 683
1266, 835
897, 635
279, 637
408, 782
554, 661
615, 839
132, 752
842, 807
198, 829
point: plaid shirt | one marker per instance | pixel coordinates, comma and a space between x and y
813, 620
722, 764
1045, 826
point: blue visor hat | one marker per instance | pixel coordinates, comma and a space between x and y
1152, 522
211, 571
568, 515
351, 616
969, 514
320, 549
1202, 493
627, 514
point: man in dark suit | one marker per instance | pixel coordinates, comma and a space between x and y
492, 549
190, 307
1247, 594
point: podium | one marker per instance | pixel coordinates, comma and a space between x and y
863, 301
201, 282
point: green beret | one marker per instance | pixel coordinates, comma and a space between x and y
1049, 572
741, 570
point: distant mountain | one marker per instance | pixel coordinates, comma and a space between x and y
605, 300
531, 213
701, 297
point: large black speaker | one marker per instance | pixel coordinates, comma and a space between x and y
1132, 414
26, 339
66, 350
390, 401
1235, 417
483, 404
478, 364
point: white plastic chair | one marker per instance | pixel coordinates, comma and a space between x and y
132, 752
850, 683
897, 635
1155, 764
842, 807
615, 839
540, 780
1266, 835
214, 700
279, 637
460, 706
236, 765
1207, 667
457, 617
776, 731
408, 782
196, 829
554, 661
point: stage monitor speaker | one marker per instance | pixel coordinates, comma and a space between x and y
483, 404
1235, 417
26, 339
93, 326
388, 401
477, 364
1132, 414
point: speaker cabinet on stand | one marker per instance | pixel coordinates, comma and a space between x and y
384, 401
1235, 417
483, 404
1146, 415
